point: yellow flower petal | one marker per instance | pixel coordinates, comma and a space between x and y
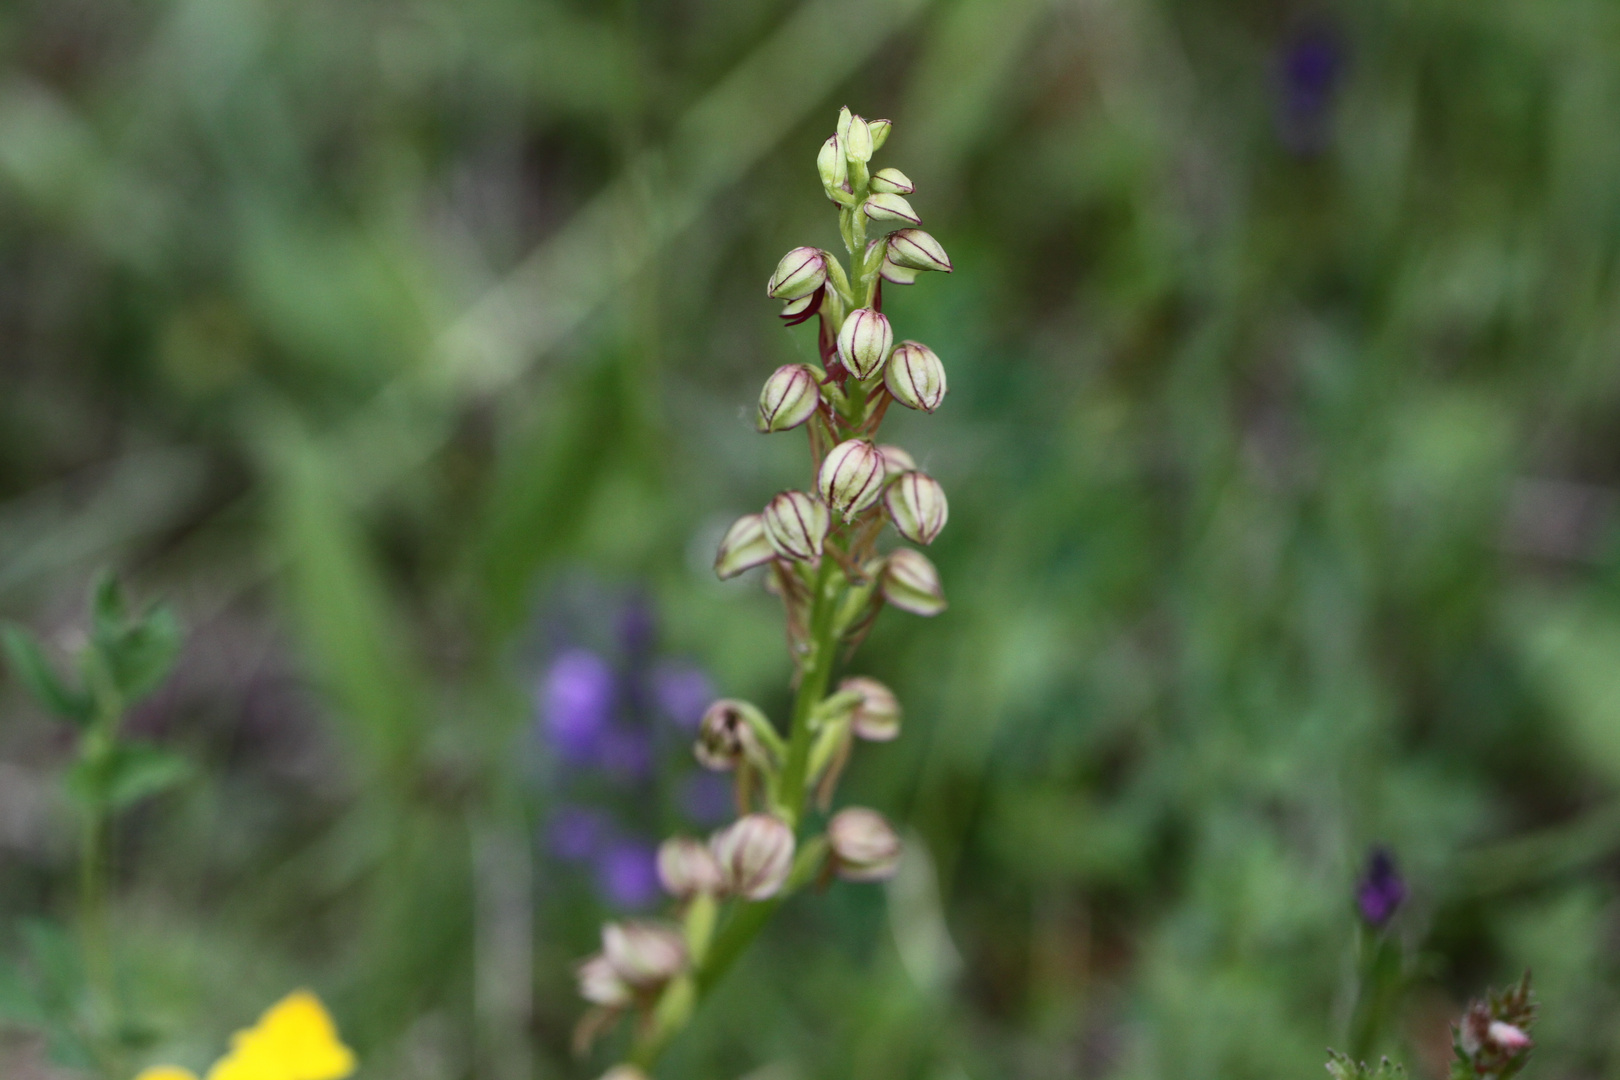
166, 1072
294, 1040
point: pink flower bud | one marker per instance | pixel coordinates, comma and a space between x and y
744, 546
887, 206
600, 984
851, 477
796, 526
789, 398
911, 583
864, 342
725, 736
895, 461
917, 250
864, 845
687, 867
643, 954
877, 717
1509, 1038
916, 504
893, 181
801, 272
755, 854
915, 376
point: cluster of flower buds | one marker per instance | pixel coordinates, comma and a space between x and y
1492, 1040
819, 547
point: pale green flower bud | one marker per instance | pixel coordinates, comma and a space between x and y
687, 867
911, 583
917, 250
726, 735
916, 504
801, 272
915, 376
892, 181
895, 461
887, 206
834, 168
744, 546
796, 526
601, 985
864, 342
858, 143
877, 717
880, 132
755, 854
864, 845
845, 119
790, 397
851, 477
894, 273
797, 311
644, 954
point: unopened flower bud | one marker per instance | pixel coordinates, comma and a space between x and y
644, 954
801, 272
864, 342
915, 376
797, 311
887, 206
845, 119
911, 583
687, 867
892, 181
744, 546
725, 736
894, 273
858, 144
851, 477
917, 250
916, 504
1509, 1038
789, 398
877, 717
880, 132
755, 854
896, 461
833, 167
864, 845
796, 526
600, 984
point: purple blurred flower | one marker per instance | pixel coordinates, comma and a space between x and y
1381, 890
682, 692
627, 873
577, 833
1308, 72
576, 702
706, 798
637, 627
626, 753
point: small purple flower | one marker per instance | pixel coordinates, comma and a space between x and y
682, 692
627, 874
577, 698
1308, 72
626, 753
577, 833
1381, 890
706, 798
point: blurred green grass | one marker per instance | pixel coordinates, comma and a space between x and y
1281, 451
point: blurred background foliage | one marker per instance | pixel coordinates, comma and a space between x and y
401, 346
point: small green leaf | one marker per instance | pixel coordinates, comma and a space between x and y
145, 654
1342, 1067
125, 775
28, 664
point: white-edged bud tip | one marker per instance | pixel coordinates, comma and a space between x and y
801, 272
893, 182
916, 504
917, 250
600, 984
644, 954
877, 717
915, 376
725, 736
911, 583
686, 867
887, 206
796, 526
755, 854
851, 477
865, 847
789, 398
864, 342
744, 546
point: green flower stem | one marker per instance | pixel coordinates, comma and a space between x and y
813, 675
